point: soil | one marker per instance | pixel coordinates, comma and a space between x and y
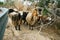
48, 33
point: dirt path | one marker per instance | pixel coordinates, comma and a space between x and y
26, 34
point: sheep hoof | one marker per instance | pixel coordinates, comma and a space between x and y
31, 28
16, 27
19, 29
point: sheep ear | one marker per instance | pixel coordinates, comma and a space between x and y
10, 10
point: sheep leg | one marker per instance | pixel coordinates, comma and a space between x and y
31, 27
24, 21
16, 27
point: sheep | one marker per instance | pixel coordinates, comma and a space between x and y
15, 17
32, 18
9, 23
39, 14
23, 15
41, 17
16, 21
44, 19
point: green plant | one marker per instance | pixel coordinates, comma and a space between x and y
40, 4
32, 0
58, 4
1, 3
45, 11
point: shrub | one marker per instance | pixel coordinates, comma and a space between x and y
58, 4
1, 3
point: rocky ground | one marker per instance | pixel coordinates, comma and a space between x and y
25, 34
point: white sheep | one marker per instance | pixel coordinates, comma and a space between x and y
15, 17
32, 18
9, 23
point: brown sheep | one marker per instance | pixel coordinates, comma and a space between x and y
32, 18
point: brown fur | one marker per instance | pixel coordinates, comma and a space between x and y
32, 18
16, 21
